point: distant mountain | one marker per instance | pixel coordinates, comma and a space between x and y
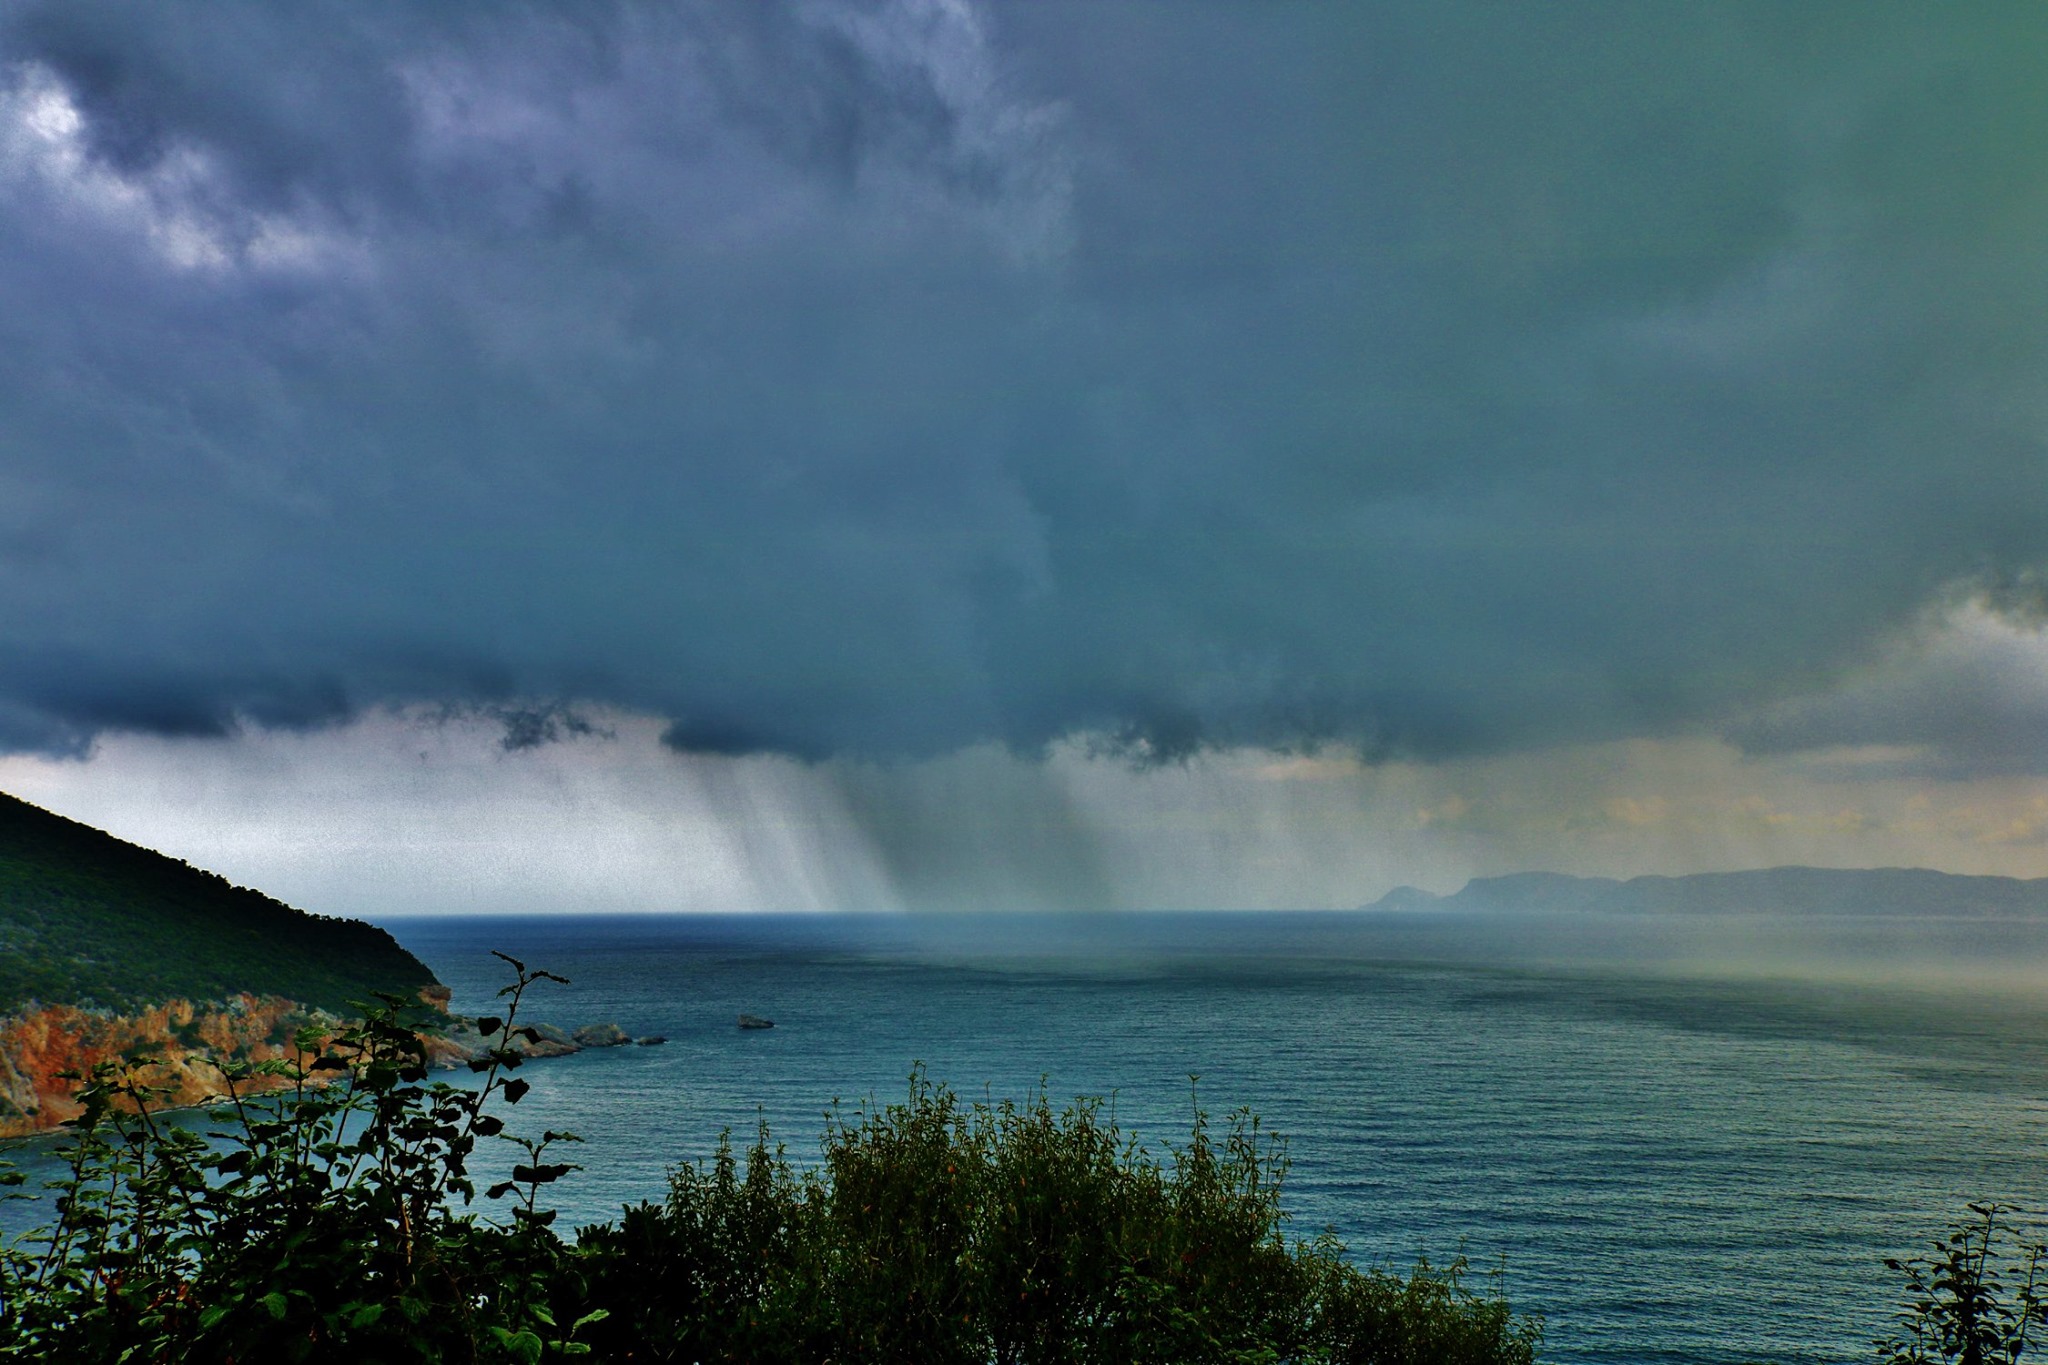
1778, 890
87, 919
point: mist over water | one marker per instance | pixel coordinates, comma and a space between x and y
1683, 1140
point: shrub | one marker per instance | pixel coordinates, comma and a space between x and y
318, 1223
1975, 1301
1014, 1234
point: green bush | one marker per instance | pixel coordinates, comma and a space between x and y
335, 1223
1009, 1233
1976, 1300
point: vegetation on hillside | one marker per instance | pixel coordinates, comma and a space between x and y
338, 1223
88, 919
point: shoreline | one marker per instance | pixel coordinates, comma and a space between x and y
188, 1041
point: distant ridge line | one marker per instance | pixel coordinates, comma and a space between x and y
1796, 890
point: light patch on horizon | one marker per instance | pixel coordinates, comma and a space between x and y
1637, 812
2029, 826
411, 812
416, 812
1309, 768
1449, 811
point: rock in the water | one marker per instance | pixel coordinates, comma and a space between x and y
651, 1040
543, 1040
461, 1040
755, 1021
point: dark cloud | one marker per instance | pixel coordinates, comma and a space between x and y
1970, 700
885, 377
529, 727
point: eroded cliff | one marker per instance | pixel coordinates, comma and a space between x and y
38, 1046
43, 1050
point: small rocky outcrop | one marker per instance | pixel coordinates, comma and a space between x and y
463, 1040
601, 1035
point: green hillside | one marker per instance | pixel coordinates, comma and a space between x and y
86, 918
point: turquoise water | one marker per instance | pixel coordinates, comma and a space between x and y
1683, 1140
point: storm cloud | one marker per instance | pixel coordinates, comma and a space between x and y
883, 379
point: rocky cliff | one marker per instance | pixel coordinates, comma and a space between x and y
38, 1046
109, 951
41, 1049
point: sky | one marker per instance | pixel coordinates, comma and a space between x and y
918, 453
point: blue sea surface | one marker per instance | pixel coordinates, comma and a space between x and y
1676, 1140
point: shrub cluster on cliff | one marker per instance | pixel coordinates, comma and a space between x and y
337, 1223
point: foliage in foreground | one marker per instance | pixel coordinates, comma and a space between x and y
1008, 1233
1976, 1300
327, 1223
318, 1224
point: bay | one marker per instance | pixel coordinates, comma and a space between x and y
1678, 1141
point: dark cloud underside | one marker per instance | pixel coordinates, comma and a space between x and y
885, 377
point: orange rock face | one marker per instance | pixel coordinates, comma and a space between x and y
189, 1043
187, 1039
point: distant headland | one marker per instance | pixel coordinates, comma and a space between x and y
1881, 891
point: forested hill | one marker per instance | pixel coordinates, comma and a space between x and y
1908, 891
86, 918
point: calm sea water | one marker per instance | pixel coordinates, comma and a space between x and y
1683, 1141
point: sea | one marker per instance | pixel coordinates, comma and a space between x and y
1674, 1139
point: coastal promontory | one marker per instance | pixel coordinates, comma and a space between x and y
108, 949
